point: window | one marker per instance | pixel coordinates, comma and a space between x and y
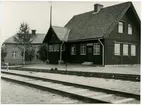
13, 54
125, 49
96, 49
73, 50
120, 27
50, 48
83, 49
56, 47
129, 29
133, 50
63, 47
116, 49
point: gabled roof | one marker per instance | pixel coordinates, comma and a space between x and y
61, 32
92, 25
37, 40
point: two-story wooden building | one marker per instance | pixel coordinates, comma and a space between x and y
104, 36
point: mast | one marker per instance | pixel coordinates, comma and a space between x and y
51, 15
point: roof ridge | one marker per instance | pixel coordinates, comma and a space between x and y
59, 27
104, 8
118, 4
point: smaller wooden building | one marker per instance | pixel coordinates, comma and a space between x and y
104, 36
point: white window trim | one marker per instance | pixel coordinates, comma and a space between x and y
51, 49
115, 49
135, 47
56, 48
73, 52
130, 28
14, 55
96, 49
63, 47
82, 49
121, 27
126, 54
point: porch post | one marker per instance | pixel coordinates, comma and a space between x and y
47, 48
61, 52
102, 52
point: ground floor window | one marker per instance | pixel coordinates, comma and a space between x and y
73, 50
116, 49
14, 54
125, 49
63, 47
54, 48
83, 49
133, 50
96, 48
50, 48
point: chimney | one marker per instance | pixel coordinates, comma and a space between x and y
33, 32
97, 7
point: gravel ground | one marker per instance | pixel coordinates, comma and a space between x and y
12, 93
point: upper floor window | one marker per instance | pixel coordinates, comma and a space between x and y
125, 49
83, 49
120, 27
116, 49
96, 49
129, 29
73, 50
133, 50
14, 54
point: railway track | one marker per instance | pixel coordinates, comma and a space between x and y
129, 77
81, 92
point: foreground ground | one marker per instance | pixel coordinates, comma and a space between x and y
12, 93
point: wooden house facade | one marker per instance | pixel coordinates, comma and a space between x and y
104, 36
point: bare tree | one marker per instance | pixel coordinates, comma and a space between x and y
24, 39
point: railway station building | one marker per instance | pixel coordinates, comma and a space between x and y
103, 36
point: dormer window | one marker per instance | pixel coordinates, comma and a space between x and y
129, 29
120, 27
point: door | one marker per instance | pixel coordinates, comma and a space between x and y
90, 53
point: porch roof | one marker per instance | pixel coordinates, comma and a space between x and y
61, 32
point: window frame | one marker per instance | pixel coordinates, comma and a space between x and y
117, 53
121, 26
82, 49
96, 48
134, 50
130, 28
63, 47
13, 55
127, 54
73, 50
56, 47
51, 48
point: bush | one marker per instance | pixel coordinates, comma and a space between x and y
42, 53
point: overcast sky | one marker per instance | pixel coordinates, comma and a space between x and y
37, 15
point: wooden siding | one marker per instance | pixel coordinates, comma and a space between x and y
124, 38
51, 37
78, 58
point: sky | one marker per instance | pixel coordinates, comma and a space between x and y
37, 14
